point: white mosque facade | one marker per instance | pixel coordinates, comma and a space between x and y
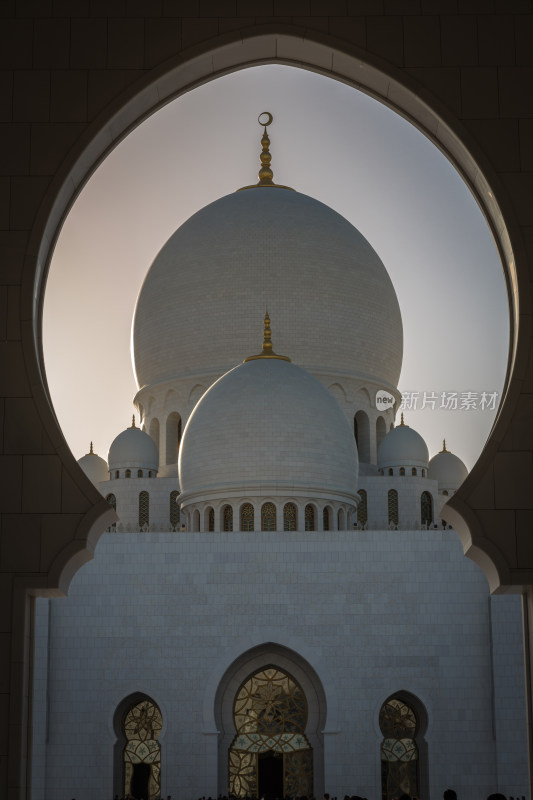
280, 609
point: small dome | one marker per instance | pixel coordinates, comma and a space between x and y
402, 447
94, 467
448, 470
268, 428
133, 448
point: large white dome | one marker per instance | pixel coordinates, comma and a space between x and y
448, 470
268, 428
94, 467
403, 447
336, 309
133, 449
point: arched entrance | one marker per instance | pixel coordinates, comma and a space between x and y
138, 722
270, 755
404, 769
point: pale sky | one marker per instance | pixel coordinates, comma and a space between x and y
328, 141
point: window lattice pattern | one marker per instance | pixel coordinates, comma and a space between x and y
174, 514
392, 501
310, 524
247, 517
144, 509
112, 501
399, 751
141, 728
228, 518
211, 520
268, 517
362, 508
325, 519
426, 508
290, 517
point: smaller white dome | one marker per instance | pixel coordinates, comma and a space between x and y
94, 467
402, 447
133, 449
448, 470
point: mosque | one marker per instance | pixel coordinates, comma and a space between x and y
280, 608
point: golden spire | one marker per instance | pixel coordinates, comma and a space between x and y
133, 421
267, 351
265, 174
91, 450
444, 446
402, 423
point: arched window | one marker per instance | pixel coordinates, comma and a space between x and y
362, 508
423, 473
154, 431
141, 756
340, 519
247, 517
326, 522
173, 427
290, 517
151, 474
139, 473
413, 471
117, 473
310, 523
268, 517
426, 509
402, 471
112, 501
144, 509
270, 752
227, 518
392, 503
211, 520
381, 430
400, 771
362, 435
390, 471
127, 474
174, 515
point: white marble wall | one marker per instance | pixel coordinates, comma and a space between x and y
370, 612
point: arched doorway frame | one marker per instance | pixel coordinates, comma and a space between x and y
239, 670
355, 67
274, 44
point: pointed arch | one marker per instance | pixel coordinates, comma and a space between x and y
137, 764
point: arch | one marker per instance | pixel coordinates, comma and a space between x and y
391, 471
139, 473
137, 759
271, 656
381, 430
209, 519
414, 472
268, 517
362, 508
403, 749
174, 509
247, 516
401, 472
117, 474
227, 518
426, 508
338, 393
290, 517
144, 509
310, 517
392, 506
173, 437
362, 432
327, 518
340, 519
195, 394
154, 431
127, 473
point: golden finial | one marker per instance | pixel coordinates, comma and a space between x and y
265, 174
444, 446
91, 450
133, 421
267, 351
402, 423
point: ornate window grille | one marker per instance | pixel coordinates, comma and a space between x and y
426, 508
325, 519
227, 518
310, 523
211, 520
402, 471
247, 517
399, 750
362, 508
290, 517
174, 509
112, 500
268, 517
142, 753
144, 509
392, 502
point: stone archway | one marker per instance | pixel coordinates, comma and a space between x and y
66, 524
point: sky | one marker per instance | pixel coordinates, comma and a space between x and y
333, 143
